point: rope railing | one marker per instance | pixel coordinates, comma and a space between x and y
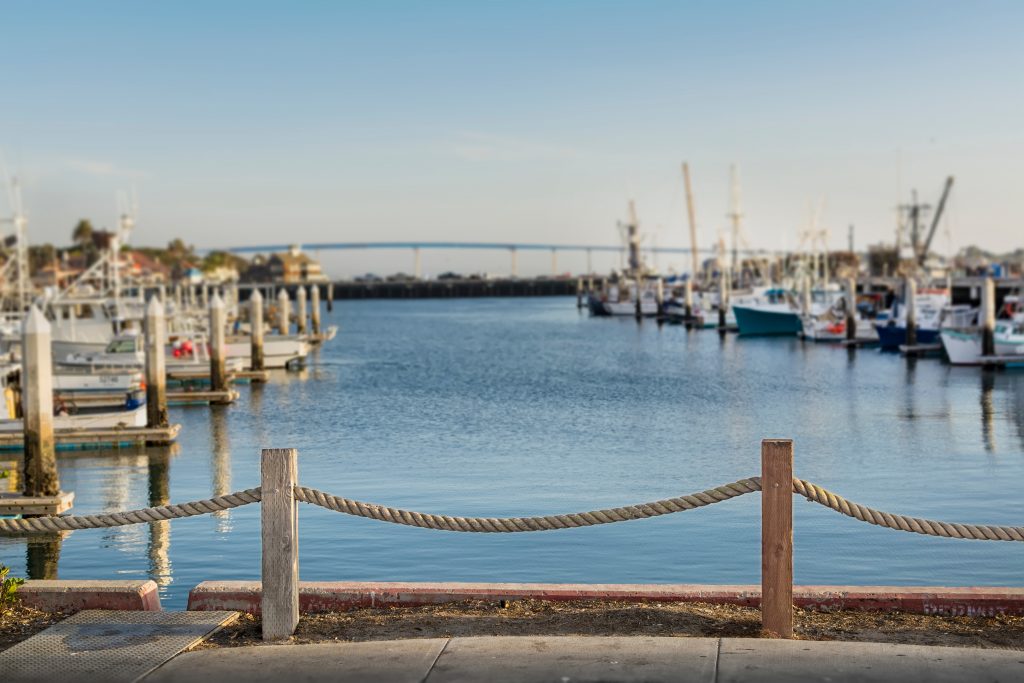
382, 513
280, 492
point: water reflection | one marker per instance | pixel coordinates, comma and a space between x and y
988, 412
220, 446
159, 531
42, 555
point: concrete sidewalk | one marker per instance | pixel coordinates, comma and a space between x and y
573, 658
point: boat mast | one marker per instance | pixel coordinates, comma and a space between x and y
633, 234
735, 215
693, 220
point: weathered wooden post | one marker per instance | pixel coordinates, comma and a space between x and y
218, 373
280, 532
330, 297
659, 295
579, 292
777, 537
156, 372
910, 301
314, 306
177, 296
284, 312
41, 478
256, 330
723, 300
300, 310
988, 318
805, 295
688, 298
639, 311
851, 308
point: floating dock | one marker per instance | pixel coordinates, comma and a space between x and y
73, 439
920, 350
1002, 361
17, 504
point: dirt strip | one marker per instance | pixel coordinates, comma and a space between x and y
18, 623
590, 618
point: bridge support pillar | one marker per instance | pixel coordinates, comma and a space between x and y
515, 267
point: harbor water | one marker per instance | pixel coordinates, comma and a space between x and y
527, 406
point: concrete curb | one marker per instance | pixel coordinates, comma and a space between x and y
72, 596
315, 596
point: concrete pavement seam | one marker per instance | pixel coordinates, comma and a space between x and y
718, 654
440, 652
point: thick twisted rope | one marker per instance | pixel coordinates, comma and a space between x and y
515, 524
980, 532
154, 514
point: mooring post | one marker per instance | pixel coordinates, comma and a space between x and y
579, 292
330, 297
777, 537
910, 301
284, 312
723, 301
280, 534
688, 298
805, 295
314, 308
204, 295
37, 404
988, 318
659, 295
639, 311
218, 374
156, 372
300, 310
851, 308
256, 330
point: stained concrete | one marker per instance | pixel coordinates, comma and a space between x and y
572, 659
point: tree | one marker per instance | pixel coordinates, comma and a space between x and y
82, 234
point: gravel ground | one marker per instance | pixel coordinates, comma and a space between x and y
532, 617
18, 623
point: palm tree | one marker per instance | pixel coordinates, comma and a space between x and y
82, 234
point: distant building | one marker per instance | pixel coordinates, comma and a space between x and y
289, 268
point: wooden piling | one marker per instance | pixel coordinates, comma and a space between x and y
910, 301
37, 404
300, 310
156, 370
314, 308
988, 318
280, 535
284, 312
805, 295
659, 295
851, 308
777, 538
330, 297
218, 374
256, 330
579, 292
723, 300
688, 297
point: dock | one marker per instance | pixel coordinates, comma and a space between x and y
17, 504
194, 398
860, 342
920, 350
74, 439
1001, 361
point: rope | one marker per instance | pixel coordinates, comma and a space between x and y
980, 532
154, 514
514, 524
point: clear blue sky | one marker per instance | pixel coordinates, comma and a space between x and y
523, 121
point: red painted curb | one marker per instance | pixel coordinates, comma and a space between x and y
71, 596
315, 596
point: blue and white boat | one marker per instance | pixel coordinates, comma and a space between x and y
774, 312
933, 312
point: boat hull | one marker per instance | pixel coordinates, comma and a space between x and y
755, 322
891, 337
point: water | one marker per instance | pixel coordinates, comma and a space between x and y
525, 406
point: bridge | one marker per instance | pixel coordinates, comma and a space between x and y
512, 248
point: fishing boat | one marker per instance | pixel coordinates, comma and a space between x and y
768, 313
279, 351
963, 346
620, 300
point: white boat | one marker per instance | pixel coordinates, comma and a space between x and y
83, 379
963, 347
621, 301
106, 420
279, 351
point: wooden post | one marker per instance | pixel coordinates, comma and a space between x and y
805, 295
579, 292
330, 297
639, 305
37, 403
723, 300
314, 308
256, 330
777, 537
204, 295
988, 318
284, 312
688, 297
851, 308
300, 310
218, 375
279, 521
156, 371
910, 301
659, 294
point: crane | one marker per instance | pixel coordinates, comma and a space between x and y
922, 253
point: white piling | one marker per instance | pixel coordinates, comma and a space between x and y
256, 326
314, 313
988, 318
156, 370
218, 374
300, 310
37, 405
910, 301
284, 312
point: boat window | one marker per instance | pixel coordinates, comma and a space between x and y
121, 346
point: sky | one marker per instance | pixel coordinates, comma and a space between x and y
239, 123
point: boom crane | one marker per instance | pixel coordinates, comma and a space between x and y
922, 254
